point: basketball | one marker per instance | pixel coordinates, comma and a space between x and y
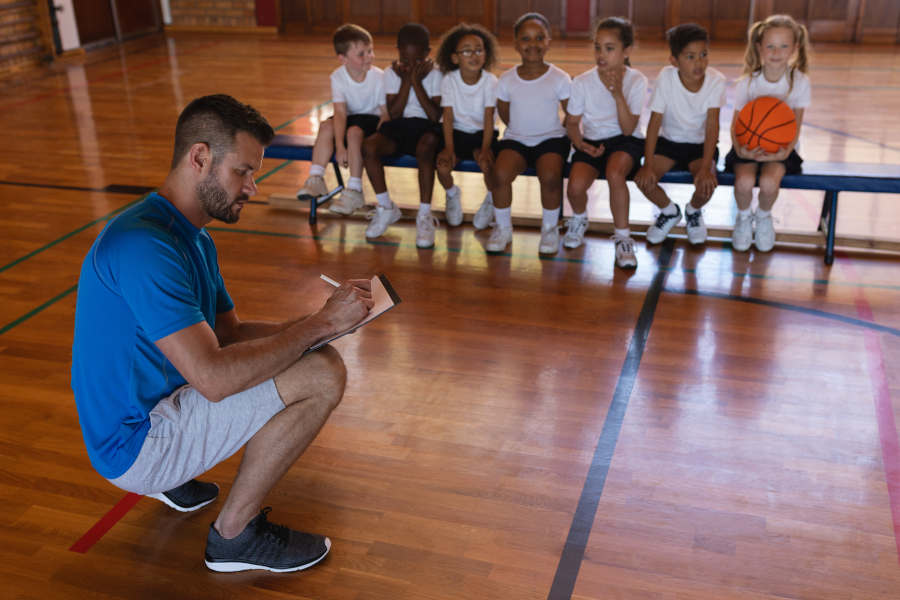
766, 122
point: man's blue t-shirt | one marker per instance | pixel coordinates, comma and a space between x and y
149, 274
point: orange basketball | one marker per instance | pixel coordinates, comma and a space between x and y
766, 122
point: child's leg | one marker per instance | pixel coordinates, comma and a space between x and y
355, 136
426, 151
699, 197
770, 175
374, 147
488, 181
744, 180
617, 169
655, 193
323, 147
581, 177
549, 167
507, 167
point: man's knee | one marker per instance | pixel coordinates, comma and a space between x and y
320, 374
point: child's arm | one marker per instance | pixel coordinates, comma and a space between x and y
397, 102
340, 128
754, 154
573, 129
613, 79
705, 180
503, 111
786, 150
431, 106
447, 156
486, 158
646, 175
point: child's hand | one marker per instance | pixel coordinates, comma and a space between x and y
705, 182
486, 161
401, 69
612, 80
744, 152
423, 68
774, 156
592, 150
446, 159
340, 155
645, 177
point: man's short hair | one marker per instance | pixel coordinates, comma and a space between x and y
413, 34
345, 35
682, 35
214, 121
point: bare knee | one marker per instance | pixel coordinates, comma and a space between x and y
744, 185
320, 374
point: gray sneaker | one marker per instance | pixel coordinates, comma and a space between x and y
485, 214
265, 545
663, 225
189, 496
347, 203
453, 211
314, 187
381, 217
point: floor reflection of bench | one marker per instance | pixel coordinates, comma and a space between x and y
832, 178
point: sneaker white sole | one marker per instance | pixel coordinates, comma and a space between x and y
162, 498
235, 566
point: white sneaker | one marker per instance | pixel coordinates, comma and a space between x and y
313, 188
696, 228
625, 258
764, 238
575, 228
382, 217
482, 218
425, 225
499, 240
453, 208
347, 203
663, 225
549, 240
742, 236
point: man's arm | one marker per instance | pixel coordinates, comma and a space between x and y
218, 370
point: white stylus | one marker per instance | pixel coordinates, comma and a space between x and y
329, 280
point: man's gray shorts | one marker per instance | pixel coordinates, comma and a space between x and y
189, 435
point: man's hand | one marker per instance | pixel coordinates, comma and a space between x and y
348, 305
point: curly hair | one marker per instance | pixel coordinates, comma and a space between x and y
451, 39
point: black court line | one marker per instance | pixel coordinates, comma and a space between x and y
792, 307
583, 521
133, 190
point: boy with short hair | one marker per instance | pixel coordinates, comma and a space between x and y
413, 97
683, 131
357, 92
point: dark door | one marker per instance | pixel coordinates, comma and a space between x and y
136, 16
95, 20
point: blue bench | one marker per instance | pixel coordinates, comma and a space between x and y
832, 178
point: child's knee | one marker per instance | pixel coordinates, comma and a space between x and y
743, 184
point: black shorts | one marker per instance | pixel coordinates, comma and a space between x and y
683, 153
464, 144
630, 145
793, 164
368, 123
406, 132
558, 145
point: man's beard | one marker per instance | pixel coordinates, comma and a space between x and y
214, 200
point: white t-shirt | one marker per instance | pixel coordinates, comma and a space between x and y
594, 102
751, 88
683, 111
534, 105
361, 97
469, 101
431, 83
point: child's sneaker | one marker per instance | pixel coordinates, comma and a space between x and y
663, 225
742, 236
575, 228
265, 545
549, 240
313, 188
189, 496
764, 238
499, 240
482, 218
453, 209
696, 228
347, 203
625, 258
382, 217
425, 226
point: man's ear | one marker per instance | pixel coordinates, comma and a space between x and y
199, 157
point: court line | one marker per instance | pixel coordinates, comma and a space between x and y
35, 311
106, 522
110, 189
583, 521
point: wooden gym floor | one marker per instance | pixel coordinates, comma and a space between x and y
713, 425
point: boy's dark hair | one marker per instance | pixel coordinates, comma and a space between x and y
346, 34
682, 35
451, 40
215, 120
413, 34
531, 16
623, 26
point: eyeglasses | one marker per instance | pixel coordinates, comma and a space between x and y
468, 52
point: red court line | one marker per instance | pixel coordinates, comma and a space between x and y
105, 523
884, 408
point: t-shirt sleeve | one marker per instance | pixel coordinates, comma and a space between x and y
434, 88
224, 302
801, 94
636, 94
337, 91
741, 93
564, 87
658, 97
391, 81
490, 92
575, 106
154, 279
379, 89
716, 96
503, 89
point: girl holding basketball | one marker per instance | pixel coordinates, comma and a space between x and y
775, 64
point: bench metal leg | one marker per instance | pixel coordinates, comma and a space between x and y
830, 202
315, 202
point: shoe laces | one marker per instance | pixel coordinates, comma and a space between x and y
373, 213
624, 243
428, 221
272, 531
662, 218
576, 225
693, 219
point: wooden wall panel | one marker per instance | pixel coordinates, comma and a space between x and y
879, 22
650, 19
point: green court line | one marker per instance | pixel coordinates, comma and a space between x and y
35, 311
273, 171
316, 107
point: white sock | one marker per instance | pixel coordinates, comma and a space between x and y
671, 209
355, 183
622, 233
744, 213
689, 209
762, 214
424, 209
582, 216
503, 216
384, 199
453, 190
316, 170
550, 218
